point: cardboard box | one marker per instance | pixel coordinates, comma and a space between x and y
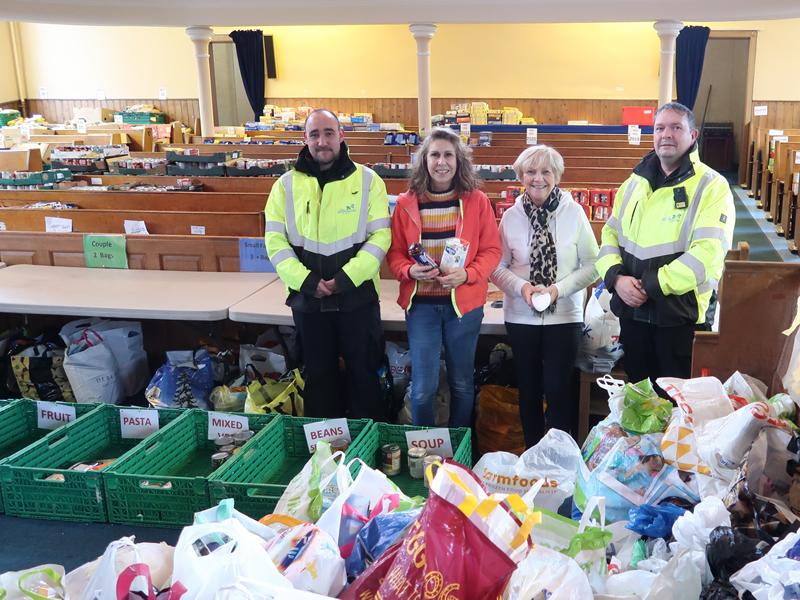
93, 114
29, 159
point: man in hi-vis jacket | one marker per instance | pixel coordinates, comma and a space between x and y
663, 249
327, 231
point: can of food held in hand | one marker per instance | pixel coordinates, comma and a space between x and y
390, 459
416, 462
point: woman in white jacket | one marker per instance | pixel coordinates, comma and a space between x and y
548, 259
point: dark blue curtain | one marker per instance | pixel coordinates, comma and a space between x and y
690, 52
250, 52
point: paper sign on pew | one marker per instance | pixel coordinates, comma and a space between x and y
220, 424
531, 136
50, 415
137, 423
760, 111
136, 228
774, 132
781, 138
253, 256
198, 229
433, 441
105, 251
634, 135
326, 431
57, 225
797, 158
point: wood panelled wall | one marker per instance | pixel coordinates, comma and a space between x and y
184, 110
545, 111
780, 114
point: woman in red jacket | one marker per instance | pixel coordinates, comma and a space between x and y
443, 209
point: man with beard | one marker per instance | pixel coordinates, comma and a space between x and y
327, 231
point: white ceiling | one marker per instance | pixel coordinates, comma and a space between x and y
229, 13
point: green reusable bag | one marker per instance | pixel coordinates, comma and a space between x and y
643, 410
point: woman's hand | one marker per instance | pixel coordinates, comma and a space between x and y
422, 273
453, 279
529, 291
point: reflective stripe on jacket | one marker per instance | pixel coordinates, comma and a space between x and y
677, 248
341, 232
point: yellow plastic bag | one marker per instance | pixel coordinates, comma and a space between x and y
283, 396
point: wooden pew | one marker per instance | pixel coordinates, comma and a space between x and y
221, 202
759, 303
260, 185
209, 201
163, 252
780, 200
240, 224
768, 175
761, 158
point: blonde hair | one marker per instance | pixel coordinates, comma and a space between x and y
540, 156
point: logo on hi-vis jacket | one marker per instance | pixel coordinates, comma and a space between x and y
350, 208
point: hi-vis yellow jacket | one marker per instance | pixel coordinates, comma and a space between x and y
673, 239
341, 231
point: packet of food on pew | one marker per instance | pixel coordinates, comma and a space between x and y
454, 255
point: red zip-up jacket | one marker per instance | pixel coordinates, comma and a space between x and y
476, 224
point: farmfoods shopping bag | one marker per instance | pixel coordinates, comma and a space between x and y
465, 544
39, 371
283, 396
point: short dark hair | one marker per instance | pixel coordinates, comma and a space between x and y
679, 108
322, 110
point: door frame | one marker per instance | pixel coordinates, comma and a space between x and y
751, 35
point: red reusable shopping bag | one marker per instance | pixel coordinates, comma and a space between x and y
444, 556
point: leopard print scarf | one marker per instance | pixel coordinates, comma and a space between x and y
543, 249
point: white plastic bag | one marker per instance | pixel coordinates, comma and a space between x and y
555, 459
225, 510
309, 558
550, 574
316, 486
125, 566
211, 556
747, 387
599, 348
768, 577
269, 362
356, 501
126, 342
93, 373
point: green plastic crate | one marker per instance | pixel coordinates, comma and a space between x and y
18, 427
257, 477
163, 482
79, 496
379, 434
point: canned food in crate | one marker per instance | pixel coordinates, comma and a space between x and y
218, 458
416, 462
390, 459
223, 440
240, 438
339, 445
432, 460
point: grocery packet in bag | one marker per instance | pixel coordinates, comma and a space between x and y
465, 544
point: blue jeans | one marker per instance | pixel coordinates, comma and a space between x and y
428, 326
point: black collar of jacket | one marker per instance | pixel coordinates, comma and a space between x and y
342, 168
650, 168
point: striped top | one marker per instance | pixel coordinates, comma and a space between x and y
439, 214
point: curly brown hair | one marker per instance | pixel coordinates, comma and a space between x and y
465, 179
